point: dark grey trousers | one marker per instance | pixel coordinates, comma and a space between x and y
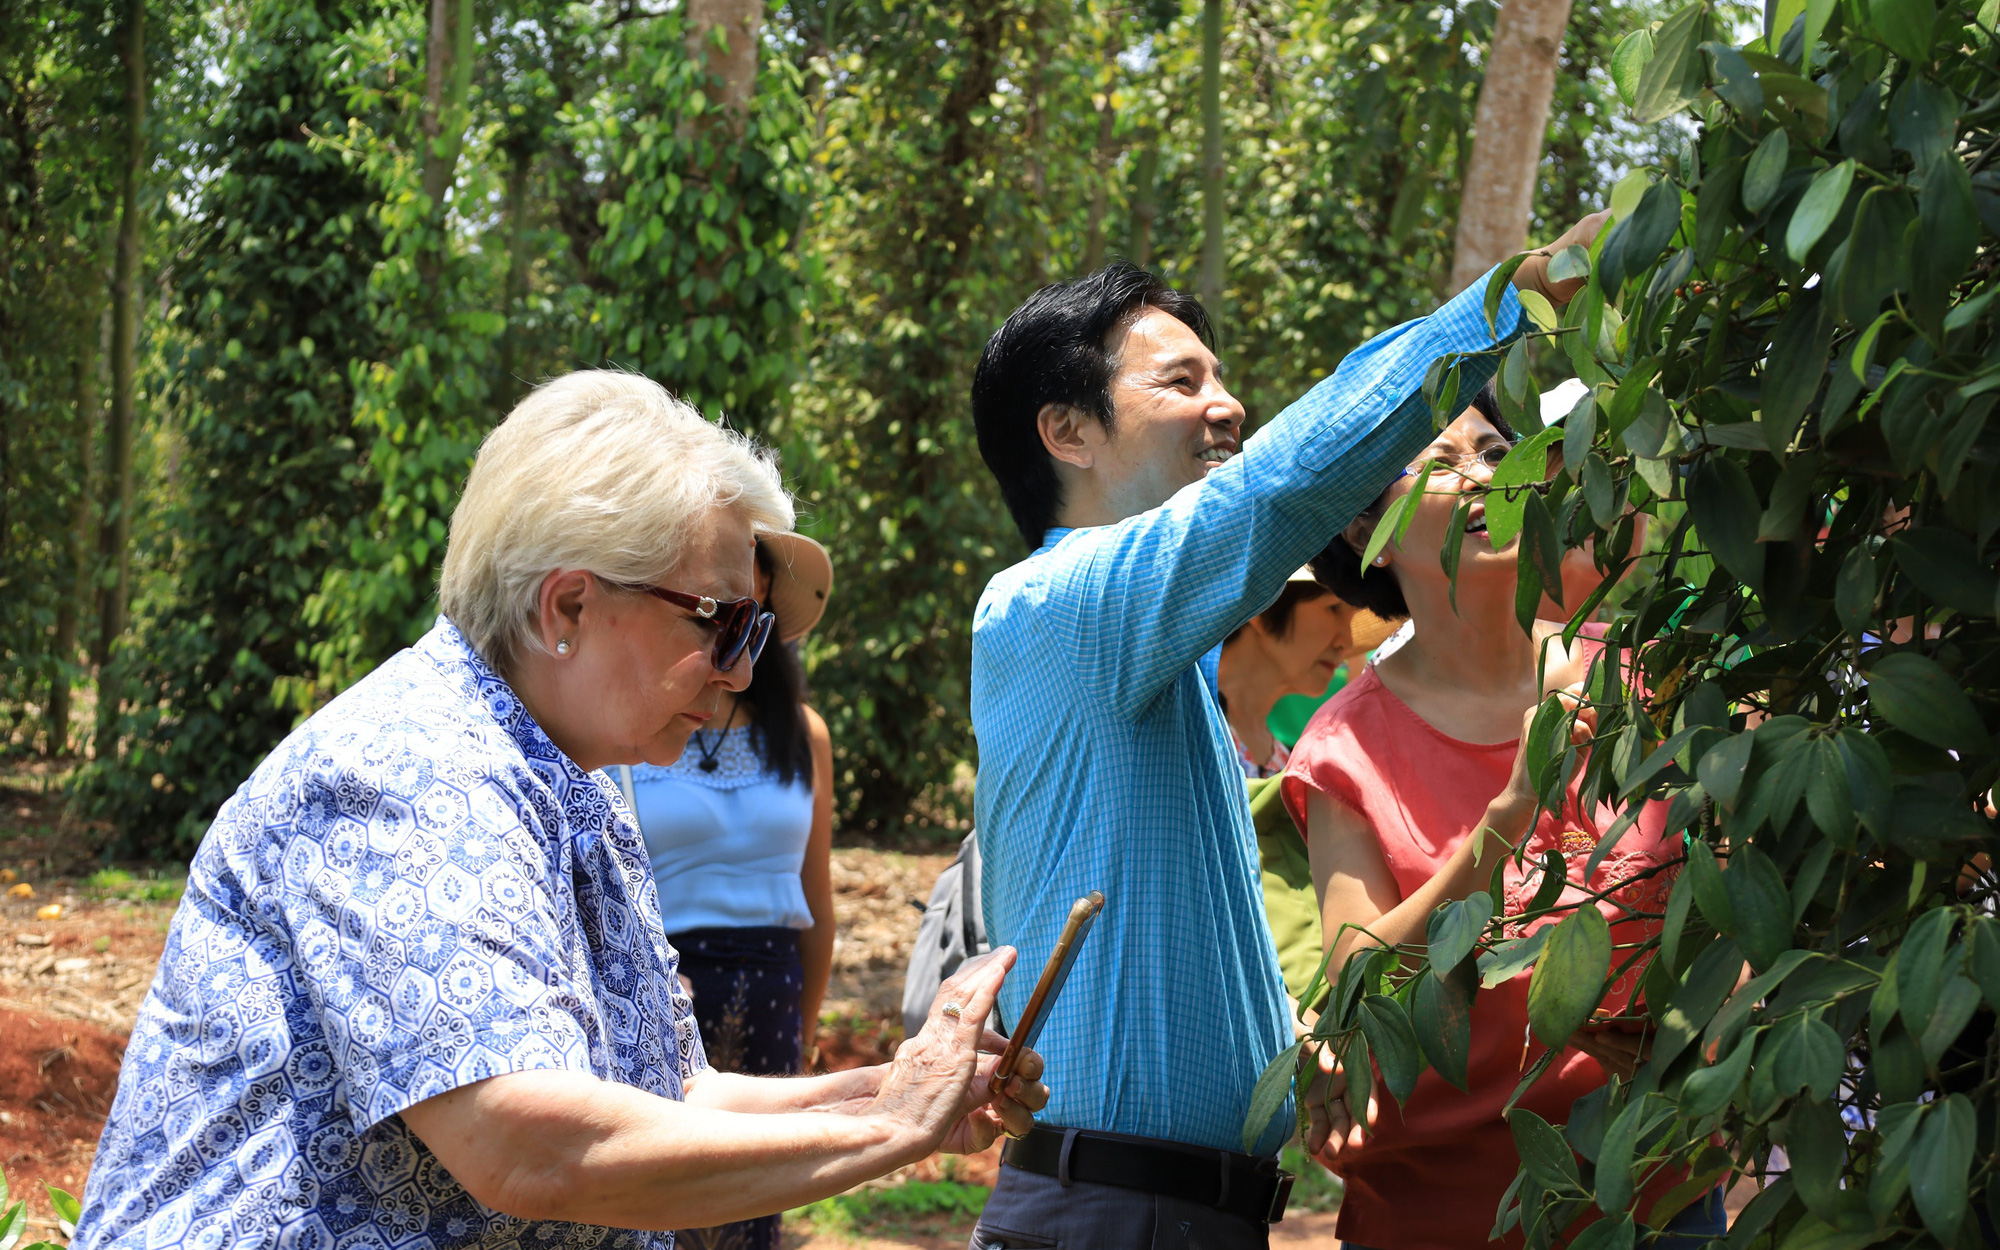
1029, 1211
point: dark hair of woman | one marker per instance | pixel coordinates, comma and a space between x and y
1278, 617
777, 693
1338, 567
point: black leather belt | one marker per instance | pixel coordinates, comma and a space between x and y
1246, 1185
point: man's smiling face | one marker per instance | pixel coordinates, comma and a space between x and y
1173, 420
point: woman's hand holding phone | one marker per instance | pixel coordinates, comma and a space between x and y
941, 1087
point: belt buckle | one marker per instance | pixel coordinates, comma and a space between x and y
1279, 1197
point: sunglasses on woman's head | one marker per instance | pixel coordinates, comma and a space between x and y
742, 627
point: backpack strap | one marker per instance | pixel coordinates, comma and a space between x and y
625, 788
970, 918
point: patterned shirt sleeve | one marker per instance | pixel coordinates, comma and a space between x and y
427, 932
1130, 606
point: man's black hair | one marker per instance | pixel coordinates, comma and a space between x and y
1338, 567
1051, 350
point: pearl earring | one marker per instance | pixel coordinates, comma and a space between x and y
1380, 561
562, 647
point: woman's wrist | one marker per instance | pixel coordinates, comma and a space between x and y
908, 1140
1508, 818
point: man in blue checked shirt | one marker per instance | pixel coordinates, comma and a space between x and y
1104, 759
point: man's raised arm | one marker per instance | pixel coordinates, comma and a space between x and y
1137, 602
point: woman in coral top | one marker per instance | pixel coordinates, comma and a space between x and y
1388, 782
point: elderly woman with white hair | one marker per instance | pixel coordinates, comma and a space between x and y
417, 993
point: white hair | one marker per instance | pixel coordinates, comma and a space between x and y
596, 470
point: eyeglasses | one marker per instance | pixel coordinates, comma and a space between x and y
1490, 456
742, 627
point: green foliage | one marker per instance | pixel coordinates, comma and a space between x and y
14, 1216
273, 291
55, 215
821, 269
700, 236
421, 402
679, 225
969, 159
118, 883
1788, 332
927, 244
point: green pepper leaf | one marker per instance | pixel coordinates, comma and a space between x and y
1708, 982
1905, 25
1541, 546
1725, 508
1544, 1153
1817, 209
1672, 77
1441, 1015
1761, 906
1923, 701
1569, 979
1628, 60
1393, 1043
1456, 927
1957, 999
1720, 771
1269, 1095
1805, 1053
1816, 1140
1766, 169
1940, 1159
1982, 948
1734, 82
1708, 1090
13, 1223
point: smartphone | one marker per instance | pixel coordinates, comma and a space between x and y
1082, 914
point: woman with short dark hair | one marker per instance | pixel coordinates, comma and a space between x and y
1295, 646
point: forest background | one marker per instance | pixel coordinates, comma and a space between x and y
269, 270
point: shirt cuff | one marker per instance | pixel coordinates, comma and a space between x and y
1463, 319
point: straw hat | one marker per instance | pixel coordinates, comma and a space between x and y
1370, 630
801, 579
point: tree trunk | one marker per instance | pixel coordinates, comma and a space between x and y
69, 610
1212, 214
114, 535
1145, 202
741, 22
447, 83
1513, 113
517, 276
1106, 161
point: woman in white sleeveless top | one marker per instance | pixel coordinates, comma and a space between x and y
740, 831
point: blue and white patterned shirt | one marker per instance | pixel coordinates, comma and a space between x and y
414, 892
1105, 762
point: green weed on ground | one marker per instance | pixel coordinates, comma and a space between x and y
912, 1206
118, 883
1316, 1189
